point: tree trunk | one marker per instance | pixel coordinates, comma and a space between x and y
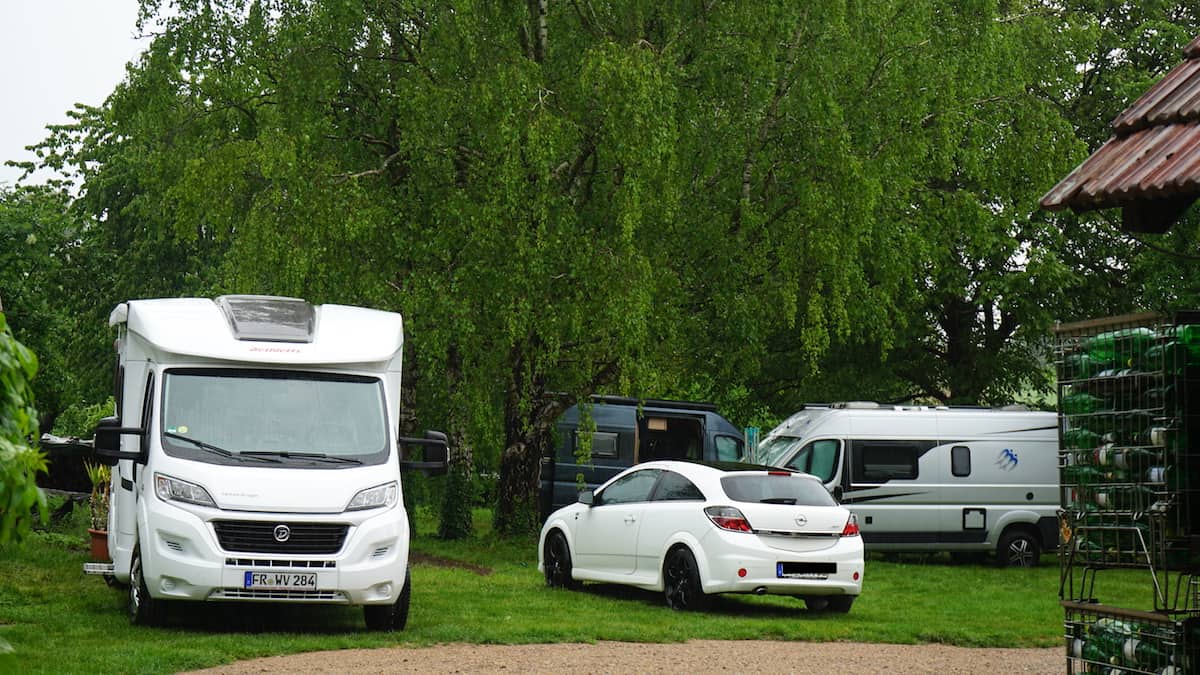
459, 499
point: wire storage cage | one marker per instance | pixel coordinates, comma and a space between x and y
1128, 401
1112, 640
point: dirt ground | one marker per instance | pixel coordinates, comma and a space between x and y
699, 656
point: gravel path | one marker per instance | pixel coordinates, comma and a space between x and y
698, 656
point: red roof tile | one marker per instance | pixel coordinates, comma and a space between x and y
1154, 153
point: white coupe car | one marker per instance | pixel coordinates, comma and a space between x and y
693, 529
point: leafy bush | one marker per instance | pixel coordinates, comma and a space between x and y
79, 420
19, 461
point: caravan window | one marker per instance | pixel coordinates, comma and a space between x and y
960, 461
818, 458
881, 461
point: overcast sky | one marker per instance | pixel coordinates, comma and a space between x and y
53, 54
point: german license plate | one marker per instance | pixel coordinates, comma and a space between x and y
305, 580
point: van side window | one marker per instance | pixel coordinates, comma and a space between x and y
729, 449
960, 460
818, 458
674, 487
604, 443
881, 461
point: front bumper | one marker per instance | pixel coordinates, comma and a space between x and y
183, 560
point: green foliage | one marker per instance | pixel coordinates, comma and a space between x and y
755, 204
20, 497
79, 420
100, 476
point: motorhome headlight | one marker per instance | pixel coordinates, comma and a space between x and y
171, 489
377, 497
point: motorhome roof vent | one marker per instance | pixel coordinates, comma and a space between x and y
267, 318
857, 405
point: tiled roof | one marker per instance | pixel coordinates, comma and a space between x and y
1153, 155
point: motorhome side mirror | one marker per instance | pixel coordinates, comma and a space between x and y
587, 497
107, 439
434, 453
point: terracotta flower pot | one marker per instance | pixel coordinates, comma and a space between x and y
99, 545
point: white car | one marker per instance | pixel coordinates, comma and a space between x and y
692, 529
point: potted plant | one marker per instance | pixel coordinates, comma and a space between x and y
99, 475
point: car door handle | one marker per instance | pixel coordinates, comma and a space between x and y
631, 518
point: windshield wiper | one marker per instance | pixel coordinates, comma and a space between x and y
215, 449
318, 456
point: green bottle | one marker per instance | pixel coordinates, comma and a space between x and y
1169, 357
1120, 347
1081, 438
1107, 641
1081, 402
1187, 335
1165, 475
1146, 654
1082, 474
1079, 366
1134, 498
1136, 460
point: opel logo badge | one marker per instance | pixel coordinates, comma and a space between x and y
801, 521
282, 533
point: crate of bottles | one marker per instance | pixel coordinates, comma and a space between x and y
1128, 402
1103, 639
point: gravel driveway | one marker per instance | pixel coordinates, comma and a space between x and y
698, 656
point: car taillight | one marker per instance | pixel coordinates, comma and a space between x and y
851, 528
728, 518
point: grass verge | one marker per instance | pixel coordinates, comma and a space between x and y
58, 620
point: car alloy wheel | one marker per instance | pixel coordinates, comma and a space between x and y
681, 581
557, 561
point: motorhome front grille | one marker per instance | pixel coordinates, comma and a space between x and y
252, 562
280, 537
279, 594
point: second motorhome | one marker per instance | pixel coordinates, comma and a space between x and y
257, 456
932, 479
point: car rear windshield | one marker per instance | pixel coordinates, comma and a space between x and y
776, 489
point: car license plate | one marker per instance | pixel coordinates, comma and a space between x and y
306, 580
790, 570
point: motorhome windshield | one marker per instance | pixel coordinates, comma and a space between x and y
302, 419
774, 450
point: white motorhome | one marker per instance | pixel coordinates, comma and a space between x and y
257, 456
932, 479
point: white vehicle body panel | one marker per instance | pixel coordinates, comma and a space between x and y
923, 500
182, 556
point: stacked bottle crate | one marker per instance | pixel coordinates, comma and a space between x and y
1130, 489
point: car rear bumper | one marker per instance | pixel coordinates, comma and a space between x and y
743, 564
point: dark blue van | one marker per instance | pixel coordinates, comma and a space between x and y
626, 435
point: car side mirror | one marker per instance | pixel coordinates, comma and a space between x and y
434, 451
587, 497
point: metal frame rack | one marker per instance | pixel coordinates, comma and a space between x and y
1129, 396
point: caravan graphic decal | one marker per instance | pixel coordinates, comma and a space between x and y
1007, 459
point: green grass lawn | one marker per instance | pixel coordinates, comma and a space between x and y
58, 620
